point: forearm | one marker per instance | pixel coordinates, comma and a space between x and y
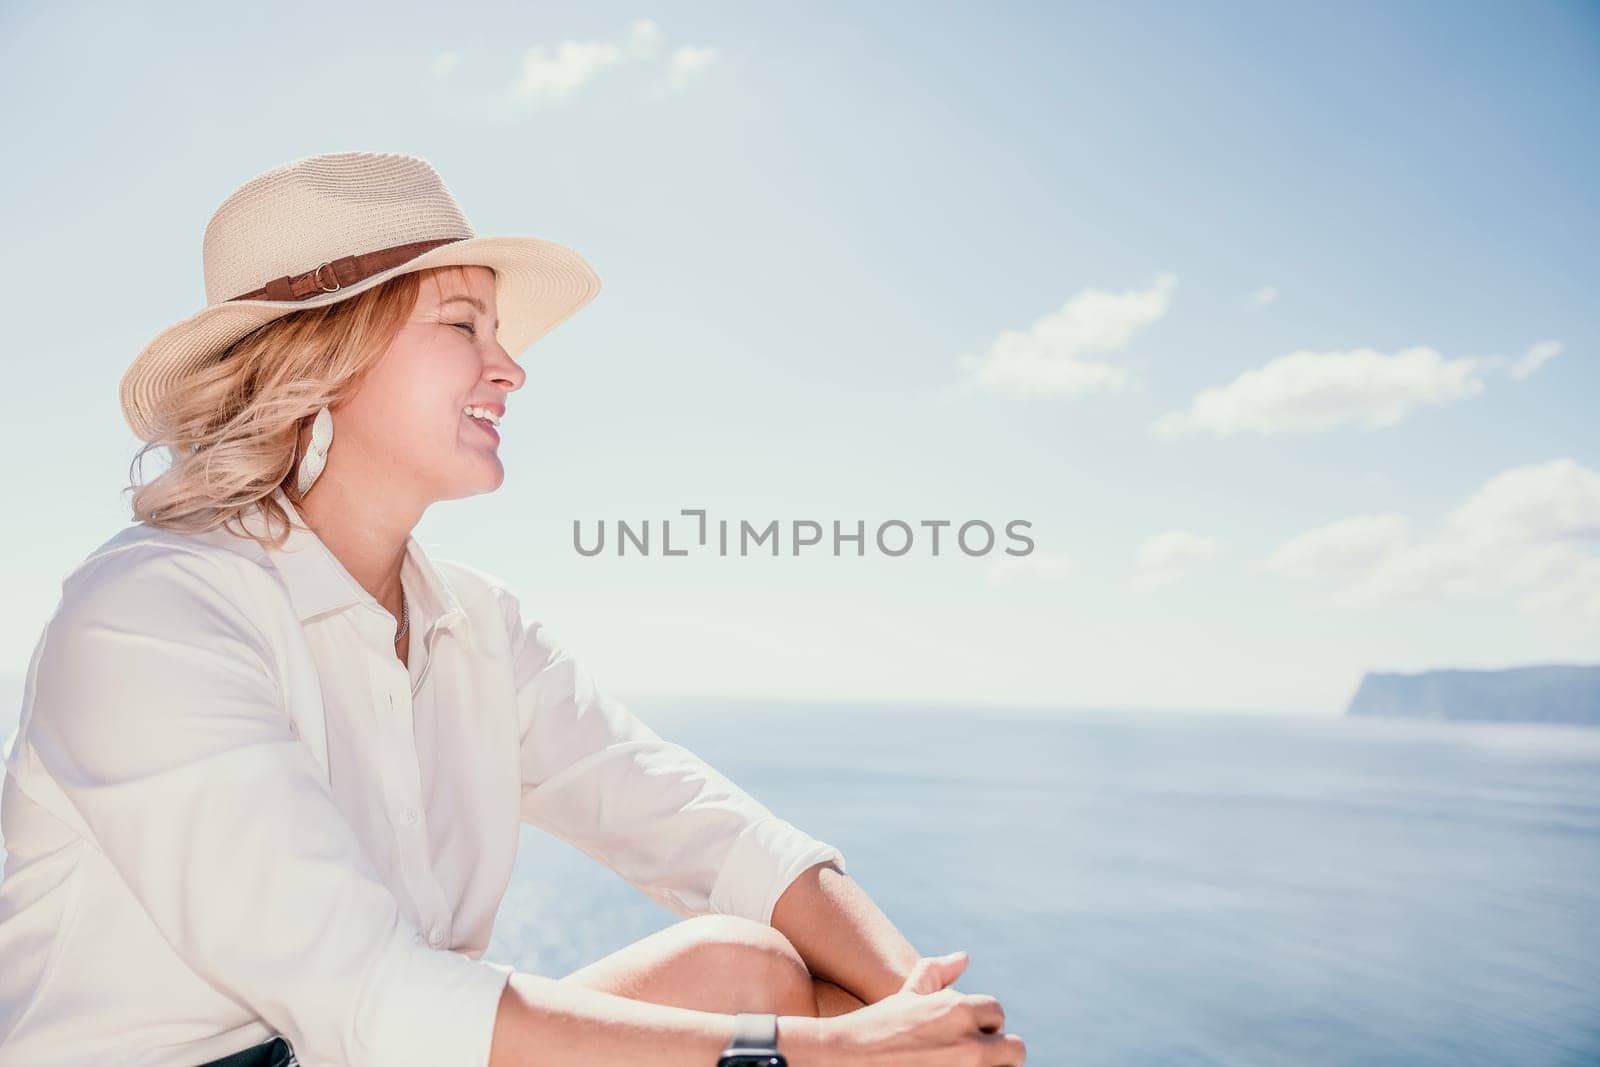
542, 1022
843, 935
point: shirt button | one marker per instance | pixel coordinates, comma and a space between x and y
411, 816
436, 936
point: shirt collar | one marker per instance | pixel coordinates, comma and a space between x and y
319, 584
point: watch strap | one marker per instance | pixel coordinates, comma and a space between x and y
754, 1032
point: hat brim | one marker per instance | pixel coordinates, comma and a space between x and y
539, 284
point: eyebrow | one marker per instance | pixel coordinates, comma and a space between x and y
474, 301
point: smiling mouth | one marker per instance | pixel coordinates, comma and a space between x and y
482, 425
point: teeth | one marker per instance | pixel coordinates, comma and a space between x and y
485, 414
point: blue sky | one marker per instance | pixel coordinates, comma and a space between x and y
1278, 325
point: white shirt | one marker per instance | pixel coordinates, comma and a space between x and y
231, 811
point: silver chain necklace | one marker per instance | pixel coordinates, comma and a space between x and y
405, 615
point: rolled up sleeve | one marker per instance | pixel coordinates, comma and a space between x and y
651, 810
157, 713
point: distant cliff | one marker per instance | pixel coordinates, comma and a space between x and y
1556, 694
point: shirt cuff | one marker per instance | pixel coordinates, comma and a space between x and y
765, 859
432, 1007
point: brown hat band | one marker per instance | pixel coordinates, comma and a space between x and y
335, 274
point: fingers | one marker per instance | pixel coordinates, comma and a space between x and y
933, 973
950, 967
1003, 1050
987, 1014
978, 1017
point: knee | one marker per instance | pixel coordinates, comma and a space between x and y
756, 958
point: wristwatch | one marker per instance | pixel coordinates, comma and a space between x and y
754, 1044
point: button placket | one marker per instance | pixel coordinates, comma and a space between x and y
399, 732
408, 801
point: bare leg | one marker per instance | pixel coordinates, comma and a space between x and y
718, 963
832, 1000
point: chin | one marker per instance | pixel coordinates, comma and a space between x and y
492, 481
485, 477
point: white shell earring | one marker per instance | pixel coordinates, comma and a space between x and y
317, 453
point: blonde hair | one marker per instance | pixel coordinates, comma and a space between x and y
232, 432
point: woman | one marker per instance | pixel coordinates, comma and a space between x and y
265, 794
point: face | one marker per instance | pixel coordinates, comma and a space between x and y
406, 431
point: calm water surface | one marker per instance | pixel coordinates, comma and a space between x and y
1179, 888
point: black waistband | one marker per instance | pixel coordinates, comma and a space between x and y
274, 1053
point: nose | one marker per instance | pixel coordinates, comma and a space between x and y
500, 367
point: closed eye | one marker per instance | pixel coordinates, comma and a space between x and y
470, 328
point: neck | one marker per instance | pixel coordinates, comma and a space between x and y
366, 531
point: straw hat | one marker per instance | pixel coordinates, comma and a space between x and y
325, 228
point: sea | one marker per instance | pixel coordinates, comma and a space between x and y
1168, 887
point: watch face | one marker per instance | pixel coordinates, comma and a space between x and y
753, 1059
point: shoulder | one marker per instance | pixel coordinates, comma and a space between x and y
470, 582
144, 571
140, 553
484, 594
478, 589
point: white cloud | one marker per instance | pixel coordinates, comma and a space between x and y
1558, 578
1057, 354
1534, 358
554, 75
1348, 546
1039, 566
686, 63
1555, 501
1308, 391
1519, 368
1531, 533
445, 63
644, 39
1305, 391
1164, 557
1263, 296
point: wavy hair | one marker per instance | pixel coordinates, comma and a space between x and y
237, 428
